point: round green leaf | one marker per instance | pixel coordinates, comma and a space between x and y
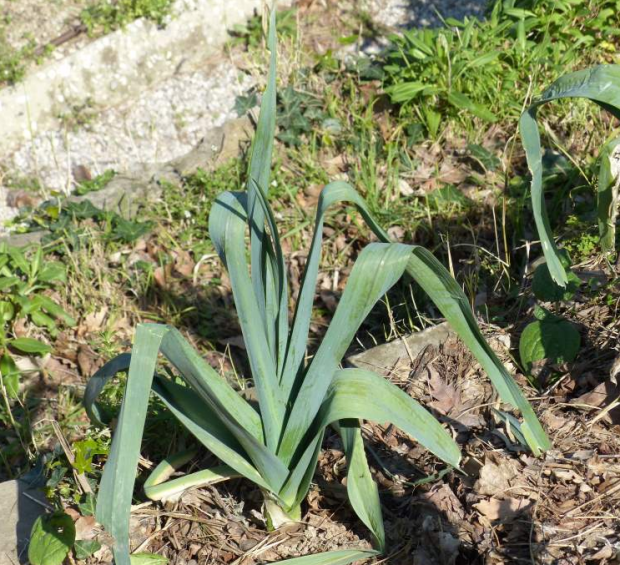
557, 340
51, 539
30, 345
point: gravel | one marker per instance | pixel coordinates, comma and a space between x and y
162, 124
422, 13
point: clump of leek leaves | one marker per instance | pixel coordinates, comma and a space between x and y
601, 85
277, 445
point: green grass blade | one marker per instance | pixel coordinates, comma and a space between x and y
227, 229
342, 557
260, 170
362, 394
119, 475
361, 488
599, 84
607, 195
376, 270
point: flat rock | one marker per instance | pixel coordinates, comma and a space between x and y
19, 512
385, 359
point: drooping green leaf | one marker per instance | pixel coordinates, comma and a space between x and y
116, 489
608, 194
361, 488
449, 297
98, 381
51, 539
30, 345
362, 394
378, 267
599, 84
342, 557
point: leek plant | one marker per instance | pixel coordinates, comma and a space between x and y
601, 85
277, 445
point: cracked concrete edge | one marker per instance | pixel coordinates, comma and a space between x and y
384, 357
129, 191
117, 67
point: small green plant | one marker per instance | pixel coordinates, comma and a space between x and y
66, 218
107, 15
483, 67
13, 61
23, 281
250, 34
277, 445
550, 337
96, 184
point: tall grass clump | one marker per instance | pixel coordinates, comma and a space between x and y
277, 445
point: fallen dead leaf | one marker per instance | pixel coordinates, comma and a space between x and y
504, 510
496, 477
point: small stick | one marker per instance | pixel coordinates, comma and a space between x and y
79, 477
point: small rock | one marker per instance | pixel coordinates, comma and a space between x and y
385, 357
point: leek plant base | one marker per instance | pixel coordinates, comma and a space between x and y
277, 446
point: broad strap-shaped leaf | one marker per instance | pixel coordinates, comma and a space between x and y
378, 267
608, 194
279, 276
159, 485
260, 170
342, 557
448, 296
227, 229
116, 489
364, 395
361, 488
333, 193
208, 383
186, 360
191, 411
599, 84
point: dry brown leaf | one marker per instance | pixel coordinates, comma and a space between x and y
446, 396
495, 509
88, 361
93, 322
496, 478
442, 498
